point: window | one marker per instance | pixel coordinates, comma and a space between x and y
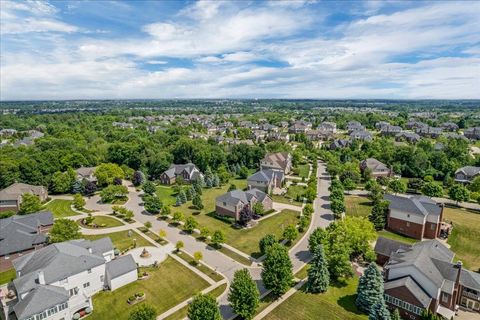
402, 304
73, 291
86, 285
444, 297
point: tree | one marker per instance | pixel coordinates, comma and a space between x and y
370, 289
244, 296
277, 273
78, 201
90, 188
243, 174
149, 188
166, 210
179, 245
337, 207
218, 238
204, 307
143, 312
303, 223
61, 182
148, 224
178, 201
395, 315
189, 194
318, 275
266, 242
113, 192
182, 196
138, 178
64, 230
177, 217
197, 256
78, 187
128, 215
474, 186
339, 261
197, 202
162, 234
30, 203
378, 215
232, 187
428, 315
290, 233
379, 311
308, 210
152, 204
397, 186
190, 224
458, 193
316, 238
349, 184
107, 172
432, 189
245, 216
258, 208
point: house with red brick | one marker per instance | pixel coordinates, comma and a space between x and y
232, 203
417, 217
188, 172
424, 277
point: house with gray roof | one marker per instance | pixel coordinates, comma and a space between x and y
189, 172
87, 173
361, 135
423, 276
20, 234
11, 196
472, 133
232, 203
58, 281
277, 161
407, 136
266, 180
377, 168
467, 174
417, 217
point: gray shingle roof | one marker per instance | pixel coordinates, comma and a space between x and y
265, 175
238, 196
419, 205
176, 169
413, 287
40, 299
386, 247
14, 191
469, 171
120, 266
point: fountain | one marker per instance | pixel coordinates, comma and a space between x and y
145, 253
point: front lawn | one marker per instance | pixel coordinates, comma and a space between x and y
396, 236
357, 206
167, 286
337, 303
465, 235
166, 194
302, 170
102, 222
7, 276
121, 240
60, 208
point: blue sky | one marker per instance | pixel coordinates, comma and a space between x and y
244, 49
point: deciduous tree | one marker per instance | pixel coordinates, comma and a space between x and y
244, 296
204, 307
30, 203
64, 230
277, 270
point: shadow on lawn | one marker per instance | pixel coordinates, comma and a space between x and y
348, 303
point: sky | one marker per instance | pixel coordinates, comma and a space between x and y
53, 50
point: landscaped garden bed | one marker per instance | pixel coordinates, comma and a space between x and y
122, 240
99, 222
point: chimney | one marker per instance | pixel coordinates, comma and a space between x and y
41, 277
456, 289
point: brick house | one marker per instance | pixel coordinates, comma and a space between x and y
11, 196
417, 217
266, 180
231, 203
189, 172
277, 161
423, 276
377, 168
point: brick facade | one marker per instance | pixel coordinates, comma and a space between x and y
410, 229
225, 212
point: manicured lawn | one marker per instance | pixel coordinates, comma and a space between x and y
302, 273
357, 206
203, 268
337, 303
121, 240
167, 286
7, 276
465, 235
395, 236
166, 194
302, 170
103, 222
60, 208
295, 190
284, 199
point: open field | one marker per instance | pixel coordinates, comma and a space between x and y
60, 208
337, 303
121, 240
166, 287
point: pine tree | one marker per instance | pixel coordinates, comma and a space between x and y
318, 275
395, 315
197, 202
189, 195
277, 270
379, 311
370, 288
244, 296
178, 201
216, 181
183, 196
208, 182
77, 187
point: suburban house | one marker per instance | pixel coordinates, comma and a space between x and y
300, 127
21, 234
86, 173
428, 131
354, 126
339, 144
467, 174
266, 180
423, 276
377, 168
407, 136
449, 126
472, 133
59, 280
390, 130
328, 126
278, 136
385, 247
232, 203
189, 172
319, 134
418, 217
277, 161
11, 196
361, 135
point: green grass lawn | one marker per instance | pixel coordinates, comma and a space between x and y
465, 235
357, 206
203, 268
7, 276
302, 170
396, 236
337, 303
108, 222
60, 208
166, 194
167, 286
121, 240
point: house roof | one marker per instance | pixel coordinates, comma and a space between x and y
19, 233
469, 171
374, 164
85, 171
14, 191
39, 300
387, 247
418, 205
176, 169
235, 197
120, 266
266, 175
413, 287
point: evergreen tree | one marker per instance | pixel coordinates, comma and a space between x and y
208, 182
201, 182
244, 296
395, 315
178, 201
379, 311
318, 275
277, 270
197, 185
182, 196
197, 202
138, 178
189, 194
216, 181
246, 215
204, 307
370, 289
378, 216
78, 187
